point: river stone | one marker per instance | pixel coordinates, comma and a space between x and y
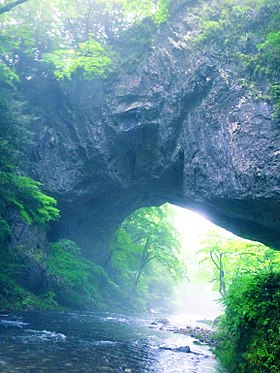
185, 349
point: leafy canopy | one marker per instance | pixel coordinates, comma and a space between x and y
247, 275
146, 251
74, 37
19, 193
230, 257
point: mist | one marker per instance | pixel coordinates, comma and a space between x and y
198, 299
195, 295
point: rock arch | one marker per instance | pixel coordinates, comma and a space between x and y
177, 128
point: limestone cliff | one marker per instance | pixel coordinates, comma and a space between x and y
178, 127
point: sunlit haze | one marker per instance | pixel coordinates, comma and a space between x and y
193, 226
196, 297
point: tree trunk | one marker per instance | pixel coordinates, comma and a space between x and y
144, 261
10, 6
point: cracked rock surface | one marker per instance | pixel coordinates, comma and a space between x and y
178, 128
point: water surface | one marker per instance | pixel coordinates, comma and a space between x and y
95, 342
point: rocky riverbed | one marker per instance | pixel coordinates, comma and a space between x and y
86, 342
202, 335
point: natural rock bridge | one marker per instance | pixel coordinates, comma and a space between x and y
178, 128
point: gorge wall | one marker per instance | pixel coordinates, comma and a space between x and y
178, 127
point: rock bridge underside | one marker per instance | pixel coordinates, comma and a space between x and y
177, 128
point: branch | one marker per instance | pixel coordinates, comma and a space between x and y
149, 259
87, 21
137, 237
213, 260
10, 6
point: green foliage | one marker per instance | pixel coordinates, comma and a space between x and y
64, 262
14, 296
270, 50
69, 279
248, 274
49, 298
275, 93
248, 34
140, 9
24, 195
145, 256
133, 44
162, 12
250, 327
18, 193
8, 75
78, 283
14, 134
71, 37
230, 257
91, 58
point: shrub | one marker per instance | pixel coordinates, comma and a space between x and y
78, 282
250, 327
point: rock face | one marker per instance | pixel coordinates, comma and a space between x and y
178, 128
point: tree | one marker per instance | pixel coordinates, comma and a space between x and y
231, 256
71, 37
10, 6
19, 194
146, 244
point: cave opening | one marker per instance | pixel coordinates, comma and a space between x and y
175, 258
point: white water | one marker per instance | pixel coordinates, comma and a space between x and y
99, 343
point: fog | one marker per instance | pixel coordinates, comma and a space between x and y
198, 299
195, 296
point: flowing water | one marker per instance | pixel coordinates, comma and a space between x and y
95, 342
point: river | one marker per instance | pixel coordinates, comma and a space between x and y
95, 342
